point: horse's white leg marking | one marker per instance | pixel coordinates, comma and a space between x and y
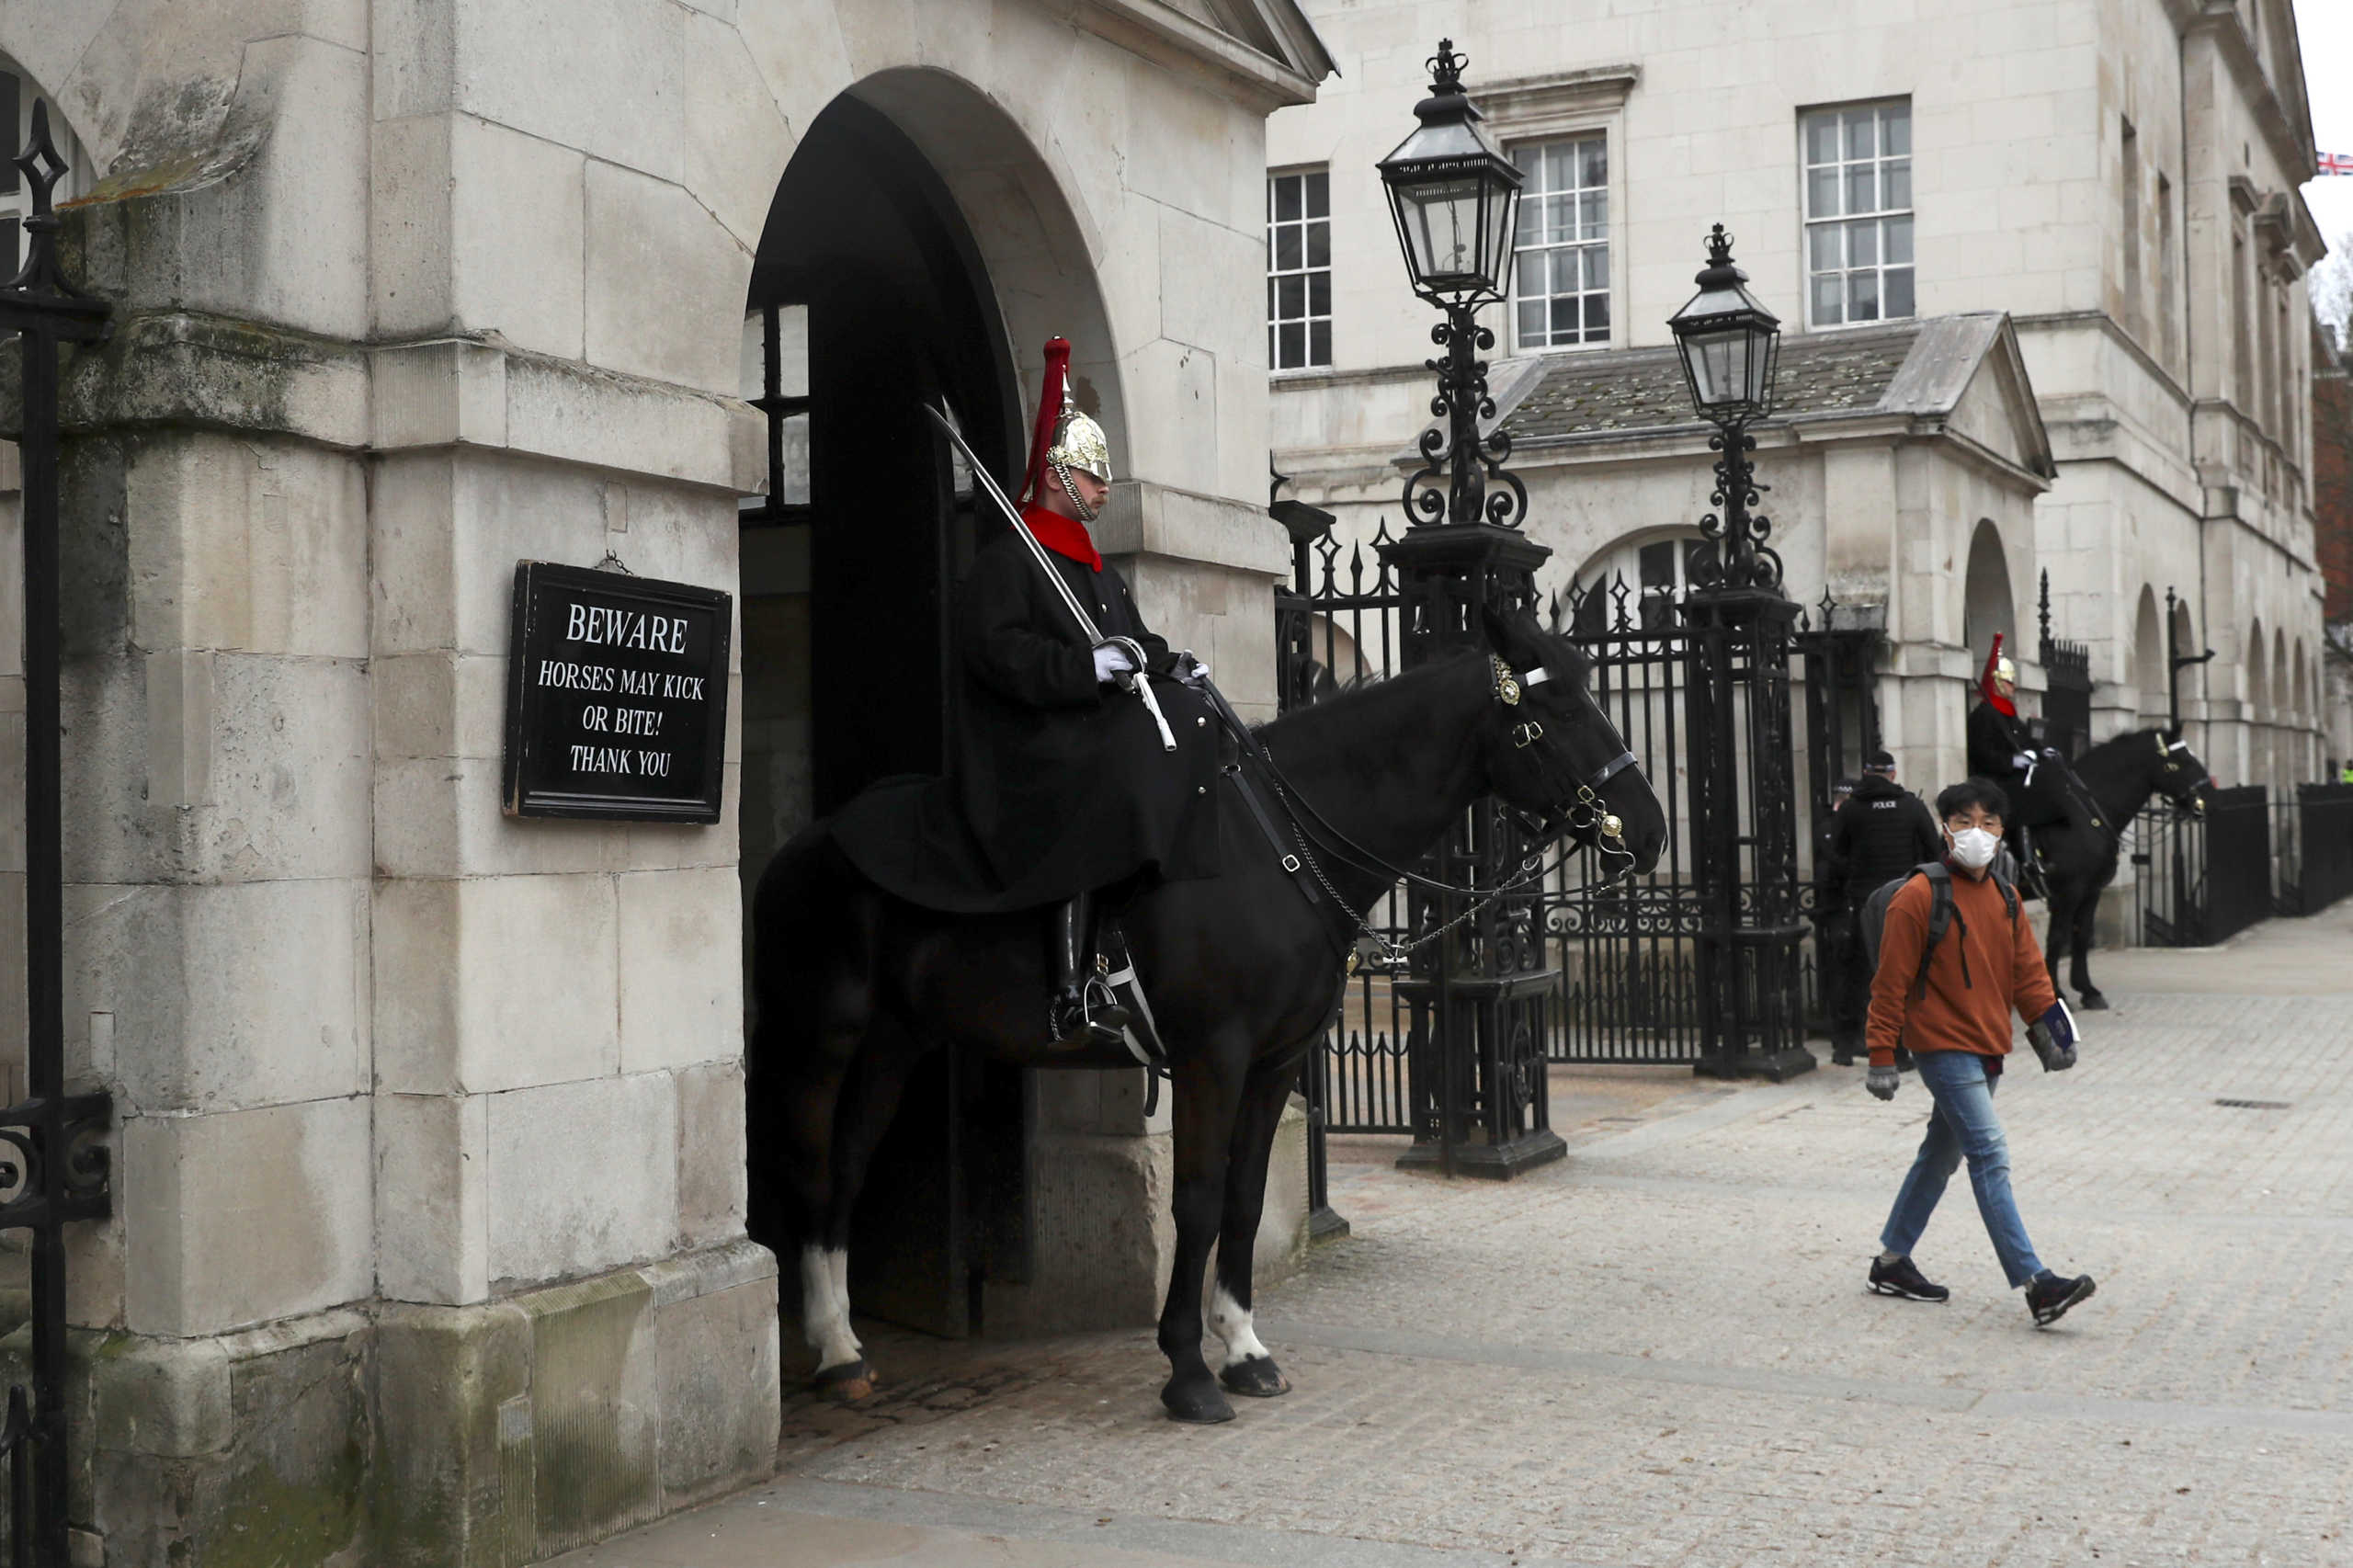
1230, 1321
824, 1307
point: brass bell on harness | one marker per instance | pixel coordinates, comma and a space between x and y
1612, 827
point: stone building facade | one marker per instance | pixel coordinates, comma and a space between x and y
2117, 177
430, 1240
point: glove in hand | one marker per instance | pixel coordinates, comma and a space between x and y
1190, 671
1882, 1081
1111, 662
2022, 761
2053, 1038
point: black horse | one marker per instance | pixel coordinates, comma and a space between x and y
853, 985
2079, 860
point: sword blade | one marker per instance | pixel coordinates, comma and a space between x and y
1012, 514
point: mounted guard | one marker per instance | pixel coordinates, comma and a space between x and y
1073, 771
2041, 785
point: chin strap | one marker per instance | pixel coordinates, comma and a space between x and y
1086, 513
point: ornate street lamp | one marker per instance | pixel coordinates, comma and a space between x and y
1455, 198
1477, 994
1730, 347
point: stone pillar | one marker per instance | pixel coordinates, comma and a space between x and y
428, 1244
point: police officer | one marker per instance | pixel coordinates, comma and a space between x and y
1880, 833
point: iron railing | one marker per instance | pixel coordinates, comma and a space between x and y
2203, 877
2312, 849
54, 1169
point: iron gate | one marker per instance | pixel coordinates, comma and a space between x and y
2204, 878
2067, 690
1619, 963
53, 1167
2314, 841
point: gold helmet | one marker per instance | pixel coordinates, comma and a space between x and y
1079, 443
2004, 671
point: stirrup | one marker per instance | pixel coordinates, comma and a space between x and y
1072, 1024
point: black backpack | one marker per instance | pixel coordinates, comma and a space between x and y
1873, 919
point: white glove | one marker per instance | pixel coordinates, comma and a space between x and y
1111, 661
1191, 671
2022, 761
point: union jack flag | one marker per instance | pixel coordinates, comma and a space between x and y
2336, 163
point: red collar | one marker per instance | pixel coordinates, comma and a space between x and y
1063, 536
2002, 705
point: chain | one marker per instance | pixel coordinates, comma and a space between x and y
1393, 952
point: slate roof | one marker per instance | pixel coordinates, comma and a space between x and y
1642, 389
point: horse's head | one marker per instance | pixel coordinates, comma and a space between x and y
1553, 755
2176, 774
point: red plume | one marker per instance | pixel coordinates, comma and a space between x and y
1049, 408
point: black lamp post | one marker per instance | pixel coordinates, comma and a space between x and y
1730, 347
1742, 765
1479, 993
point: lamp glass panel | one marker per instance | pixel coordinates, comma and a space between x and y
1720, 365
1441, 223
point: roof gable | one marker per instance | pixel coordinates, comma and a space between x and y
1269, 46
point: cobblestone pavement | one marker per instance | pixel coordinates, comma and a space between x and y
1660, 1351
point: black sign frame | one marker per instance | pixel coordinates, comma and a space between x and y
541, 721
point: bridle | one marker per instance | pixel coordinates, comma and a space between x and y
2186, 799
1584, 812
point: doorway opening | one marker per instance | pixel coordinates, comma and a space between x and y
869, 301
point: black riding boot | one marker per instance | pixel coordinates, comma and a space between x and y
1070, 949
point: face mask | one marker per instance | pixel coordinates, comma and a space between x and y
1973, 847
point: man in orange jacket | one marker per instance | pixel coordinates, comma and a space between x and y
1954, 1014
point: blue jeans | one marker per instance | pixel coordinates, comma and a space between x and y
1962, 1124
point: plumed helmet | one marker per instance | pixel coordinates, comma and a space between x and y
1079, 443
2005, 671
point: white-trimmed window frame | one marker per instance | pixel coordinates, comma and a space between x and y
1305, 272
1885, 227
1569, 105
1583, 238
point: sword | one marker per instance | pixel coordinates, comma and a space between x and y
1136, 680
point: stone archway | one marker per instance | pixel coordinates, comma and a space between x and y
1988, 605
2149, 657
917, 253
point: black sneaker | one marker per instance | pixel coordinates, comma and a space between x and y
2049, 1297
1900, 1278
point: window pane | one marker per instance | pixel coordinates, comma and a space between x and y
1560, 166
1899, 292
1594, 209
1271, 312
1596, 267
1529, 157
1560, 218
1594, 161
1287, 247
1319, 342
1567, 271
1862, 243
1319, 293
1294, 350
1319, 244
1287, 195
1656, 563
1899, 240
1532, 323
1862, 188
1863, 296
1319, 195
1895, 130
1564, 321
1896, 177
1274, 360
1822, 193
1823, 254
1597, 318
1821, 137
1292, 298
1828, 301
1861, 142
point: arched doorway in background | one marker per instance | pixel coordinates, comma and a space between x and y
1987, 604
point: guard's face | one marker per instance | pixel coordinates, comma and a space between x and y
1092, 492
2005, 686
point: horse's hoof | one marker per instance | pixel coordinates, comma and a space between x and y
850, 1384
1258, 1377
1199, 1403
2093, 1002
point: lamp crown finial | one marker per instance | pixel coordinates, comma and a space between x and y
1446, 67
1721, 270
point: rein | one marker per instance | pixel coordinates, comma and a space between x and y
1506, 688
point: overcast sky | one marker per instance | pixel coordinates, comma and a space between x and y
2326, 30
